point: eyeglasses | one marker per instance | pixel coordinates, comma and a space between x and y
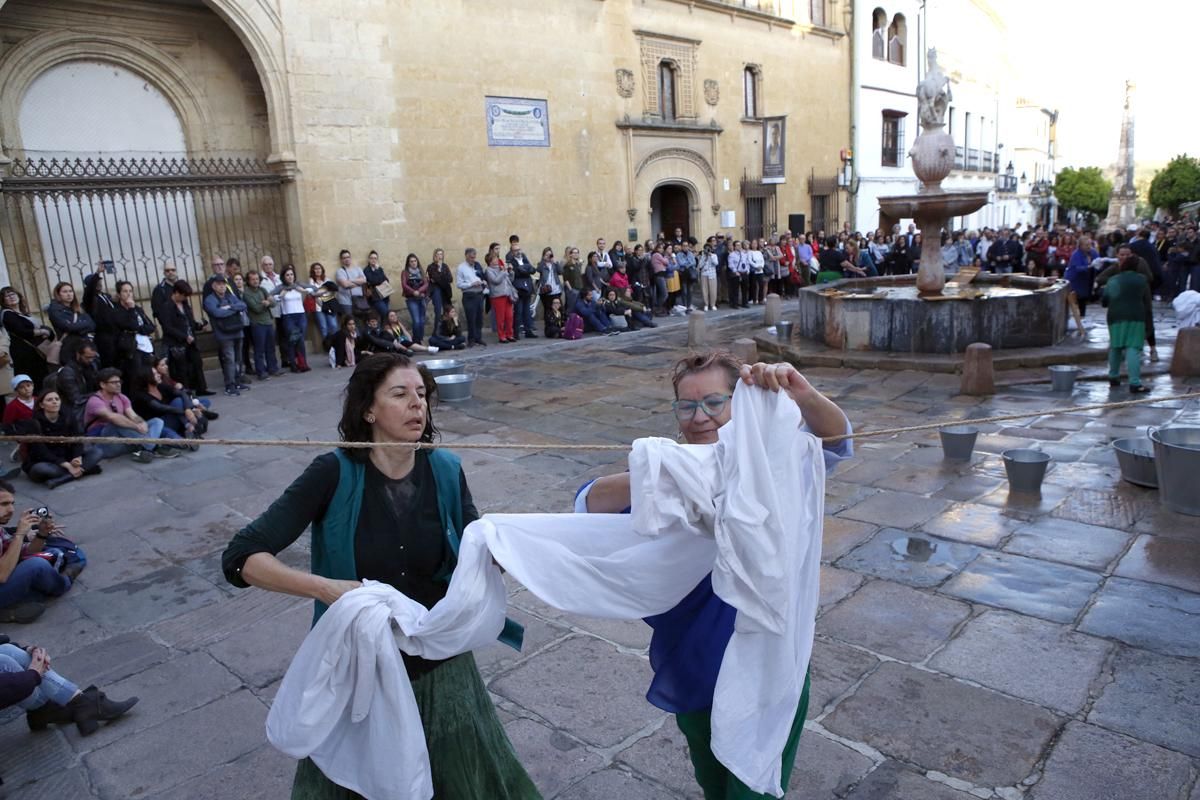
712, 405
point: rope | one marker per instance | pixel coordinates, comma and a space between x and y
929, 426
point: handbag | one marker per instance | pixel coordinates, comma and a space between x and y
360, 303
50, 350
384, 290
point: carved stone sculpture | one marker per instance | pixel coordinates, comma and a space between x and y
625, 82
712, 92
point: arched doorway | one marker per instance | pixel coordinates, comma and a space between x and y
670, 208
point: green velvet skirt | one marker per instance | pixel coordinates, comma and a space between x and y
469, 754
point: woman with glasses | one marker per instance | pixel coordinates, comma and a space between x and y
689, 641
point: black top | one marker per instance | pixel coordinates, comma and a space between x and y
399, 539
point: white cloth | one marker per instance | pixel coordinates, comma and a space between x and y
1187, 308
719, 508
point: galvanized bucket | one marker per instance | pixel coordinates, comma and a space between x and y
453, 388
1026, 468
783, 330
1177, 463
1062, 378
958, 442
444, 366
1136, 458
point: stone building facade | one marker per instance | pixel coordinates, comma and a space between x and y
365, 124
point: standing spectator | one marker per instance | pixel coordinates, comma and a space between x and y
110, 413
351, 281
56, 464
6, 370
378, 288
618, 255
1079, 272
262, 326
237, 285
99, 306
416, 292
522, 271
708, 276
270, 280
225, 311
658, 267
179, 335
1144, 249
1127, 295
722, 249
572, 271
757, 280
685, 262
162, 291
503, 294
25, 334
291, 295
604, 261
324, 302
135, 348
219, 268
72, 324
25, 583
469, 279
441, 284
550, 278
738, 276
914, 252
595, 281
1037, 253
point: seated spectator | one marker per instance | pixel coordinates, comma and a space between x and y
345, 346
396, 330
379, 340
76, 381
154, 400
56, 464
449, 335
18, 412
26, 580
110, 413
640, 314
26, 680
593, 316
555, 319
202, 405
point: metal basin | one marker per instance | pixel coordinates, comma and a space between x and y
444, 366
783, 330
1177, 464
453, 388
1026, 468
958, 441
1136, 457
1062, 378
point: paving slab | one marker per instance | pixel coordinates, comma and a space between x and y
153, 597
941, 724
1068, 542
109, 660
973, 523
1038, 661
894, 620
825, 769
894, 781
834, 668
836, 584
265, 774
538, 633
1152, 697
1039, 588
1023, 505
132, 767
839, 536
664, 757
912, 558
969, 487
553, 760
1160, 559
1115, 509
1163, 522
62, 628
1146, 615
617, 783
43, 755
215, 622
1090, 763
585, 687
917, 479
896, 509
260, 653
118, 557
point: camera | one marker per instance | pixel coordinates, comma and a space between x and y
42, 512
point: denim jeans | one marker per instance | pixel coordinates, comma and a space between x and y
296, 326
523, 315
155, 431
32, 579
327, 324
473, 311
416, 310
439, 305
231, 365
53, 689
264, 349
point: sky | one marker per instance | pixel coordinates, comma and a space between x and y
1076, 57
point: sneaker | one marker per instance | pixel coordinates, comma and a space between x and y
233, 392
164, 451
263, 377
241, 387
432, 349
141, 456
22, 613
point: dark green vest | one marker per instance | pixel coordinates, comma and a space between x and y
333, 535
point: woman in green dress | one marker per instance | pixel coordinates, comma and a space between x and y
1127, 296
393, 515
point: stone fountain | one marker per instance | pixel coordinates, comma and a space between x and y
893, 314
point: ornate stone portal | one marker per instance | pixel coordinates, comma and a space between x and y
932, 156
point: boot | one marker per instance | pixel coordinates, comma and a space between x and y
51, 713
92, 707
302, 362
54, 483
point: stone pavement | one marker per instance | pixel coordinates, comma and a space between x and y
971, 643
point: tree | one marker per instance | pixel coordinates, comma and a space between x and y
1179, 183
1083, 189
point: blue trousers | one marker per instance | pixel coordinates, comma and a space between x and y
595, 321
155, 426
32, 579
473, 311
295, 327
54, 687
416, 310
523, 315
439, 305
264, 349
327, 324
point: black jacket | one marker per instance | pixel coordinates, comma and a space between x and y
523, 270
76, 383
42, 452
177, 325
1143, 248
65, 321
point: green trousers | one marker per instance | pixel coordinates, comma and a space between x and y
717, 782
1133, 362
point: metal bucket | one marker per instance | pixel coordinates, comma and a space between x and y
1026, 468
1062, 378
958, 442
783, 330
453, 388
1136, 457
444, 366
1177, 463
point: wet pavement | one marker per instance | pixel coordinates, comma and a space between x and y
971, 642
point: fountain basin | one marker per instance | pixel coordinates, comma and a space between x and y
887, 313
941, 204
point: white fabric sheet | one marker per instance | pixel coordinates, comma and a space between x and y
748, 509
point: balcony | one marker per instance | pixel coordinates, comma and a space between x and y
973, 160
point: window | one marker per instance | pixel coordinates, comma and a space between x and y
878, 40
750, 87
816, 9
893, 139
666, 90
897, 39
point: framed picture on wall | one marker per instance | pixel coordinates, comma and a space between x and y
774, 139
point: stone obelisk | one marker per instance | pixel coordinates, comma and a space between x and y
1122, 206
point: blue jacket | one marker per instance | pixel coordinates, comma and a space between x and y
220, 310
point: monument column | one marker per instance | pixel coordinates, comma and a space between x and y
1122, 206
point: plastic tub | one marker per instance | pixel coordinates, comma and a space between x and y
1136, 457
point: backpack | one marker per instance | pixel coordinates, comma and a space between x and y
573, 328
